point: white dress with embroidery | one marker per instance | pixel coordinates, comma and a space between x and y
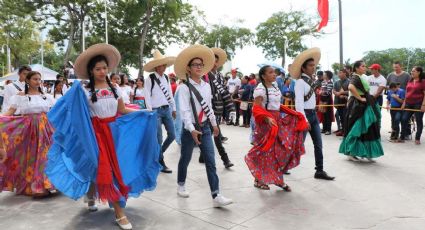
106, 104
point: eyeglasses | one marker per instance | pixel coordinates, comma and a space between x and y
197, 65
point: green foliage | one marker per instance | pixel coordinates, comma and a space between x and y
228, 38
407, 57
285, 28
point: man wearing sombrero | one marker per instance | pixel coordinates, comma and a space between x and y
199, 121
159, 95
302, 69
221, 99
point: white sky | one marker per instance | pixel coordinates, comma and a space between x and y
367, 25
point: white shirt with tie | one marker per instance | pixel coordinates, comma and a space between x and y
157, 98
10, 90
301, 90
185, 106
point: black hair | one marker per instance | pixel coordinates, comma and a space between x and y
421, 73
393, 85
139, 79
122, 76
319, 73
260, 74
357, 64
329, 74
304, 65
348, 67
344, 71
58, 76
397, 63
191, 60
24, 67
28, 77
216, 56
90, 66
57, 82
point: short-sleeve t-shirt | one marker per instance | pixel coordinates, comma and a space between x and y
375, 83
28, 104
106, 104
233, 83
274, 96
415, 92
402, 79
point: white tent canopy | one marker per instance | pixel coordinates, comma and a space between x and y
46, 73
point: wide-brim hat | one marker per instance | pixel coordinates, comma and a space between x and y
312, 53
158, 60
191, 52
109, 51
222, 56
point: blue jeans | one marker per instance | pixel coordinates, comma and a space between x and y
165, 117
395, 121
405, 121
207, 149
316, 137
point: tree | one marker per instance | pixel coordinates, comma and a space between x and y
281, 35
407, 57
228, 38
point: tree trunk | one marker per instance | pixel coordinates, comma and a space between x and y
143, 38
71, 36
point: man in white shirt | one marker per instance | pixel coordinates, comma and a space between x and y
233, 84
377, 83
303, 69
15, 87
159, 95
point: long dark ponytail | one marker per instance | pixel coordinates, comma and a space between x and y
90, 66
260, 74
28, 77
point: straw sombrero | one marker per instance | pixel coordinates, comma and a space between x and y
295, 70
191, 52
158, 60
110, 52
222, 56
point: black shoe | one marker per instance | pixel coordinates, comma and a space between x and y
287, 173
323, 131
323, 175
165, 169
236, 124
228, 164
224, 139
201, 160
230, 123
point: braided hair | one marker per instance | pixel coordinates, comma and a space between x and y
57, 82
28, 77
260, 74
90, 66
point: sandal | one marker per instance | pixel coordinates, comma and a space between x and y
417, 142
259, 185
285, 187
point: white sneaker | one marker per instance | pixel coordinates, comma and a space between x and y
351, 158
181, 191
220, 201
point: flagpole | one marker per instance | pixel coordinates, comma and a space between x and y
341, 51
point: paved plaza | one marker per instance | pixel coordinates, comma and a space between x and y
389, 194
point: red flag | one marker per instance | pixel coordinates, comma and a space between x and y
323, 8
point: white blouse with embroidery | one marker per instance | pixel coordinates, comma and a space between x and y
106, 104
274, 96
29, 104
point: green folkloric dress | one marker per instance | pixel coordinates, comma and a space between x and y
362, 124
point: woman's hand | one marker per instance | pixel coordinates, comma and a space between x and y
270, 121
363, 100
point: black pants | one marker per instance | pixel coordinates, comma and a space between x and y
237, 107
340, 114
247, 115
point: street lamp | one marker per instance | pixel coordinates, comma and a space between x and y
9, 69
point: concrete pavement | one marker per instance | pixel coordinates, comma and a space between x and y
389, 194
